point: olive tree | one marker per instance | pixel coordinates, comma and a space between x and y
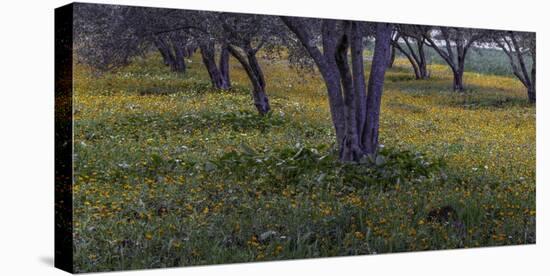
244, 36
452, 44
410, 40
105, 38
336, 46
108, 36
519, 47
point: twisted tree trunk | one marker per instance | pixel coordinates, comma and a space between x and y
417, 58
462, 42
255, 74
208, 54
351, 149
355, 113
173, 55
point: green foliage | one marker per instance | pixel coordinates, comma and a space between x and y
243, 120
187, 175
307, 166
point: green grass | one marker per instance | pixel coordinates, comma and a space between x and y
169, 172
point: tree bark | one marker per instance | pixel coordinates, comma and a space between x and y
376, 87
457, 80
358, 67
224, 67
165, 52
355, 113
422, 63
208, 55
326, 64
172, 54
462, 44
165, 56
255, 75
392, 57
179, 62
409, 56
350, 147
417, 58
509, 46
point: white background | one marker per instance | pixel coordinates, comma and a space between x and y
27, 136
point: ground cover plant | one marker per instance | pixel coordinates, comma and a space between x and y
228, 149
195, 176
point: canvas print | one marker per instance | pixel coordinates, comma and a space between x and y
188, 137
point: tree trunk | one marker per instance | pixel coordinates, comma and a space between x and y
260, 97
224, 67
422, 63
392, 57
167, 56
417, 62
376, 87
458, 73
172, 55
209, 59
261, 101
416, 69
355, 113
350, 148
255, 75
335, 100
325, 61
358, 67
423, 71
179, 60
509, 48
457, 80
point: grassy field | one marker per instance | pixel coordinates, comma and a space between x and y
169, 172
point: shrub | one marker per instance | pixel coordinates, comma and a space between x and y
305, 166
